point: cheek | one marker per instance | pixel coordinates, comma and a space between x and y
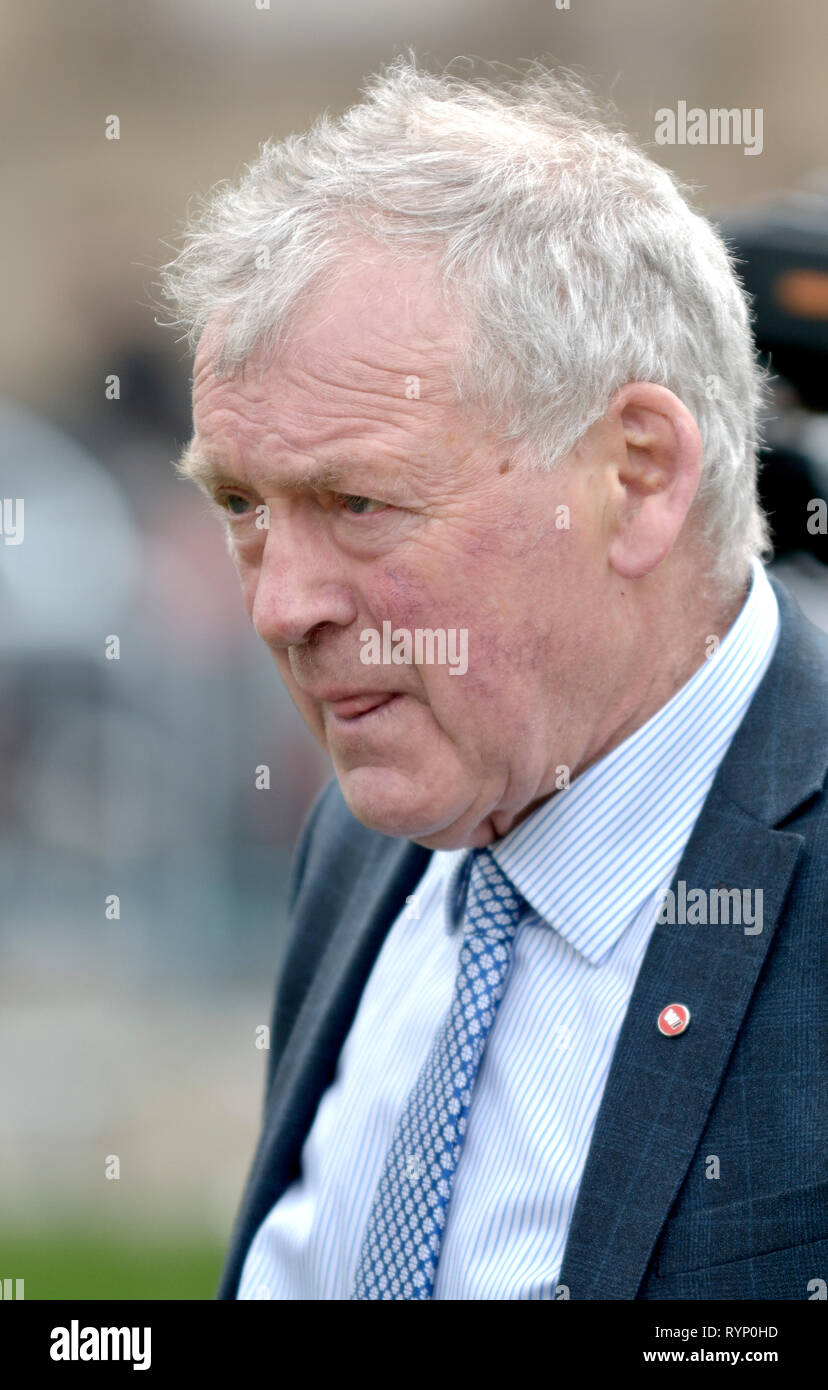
462, 601
248, 575
412, 598
396, 592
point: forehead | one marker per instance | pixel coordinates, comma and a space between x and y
373, 341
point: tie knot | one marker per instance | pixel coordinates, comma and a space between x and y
493, 904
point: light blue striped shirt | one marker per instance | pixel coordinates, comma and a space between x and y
593, 864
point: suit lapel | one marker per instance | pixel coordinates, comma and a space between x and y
388, 871
660, 1090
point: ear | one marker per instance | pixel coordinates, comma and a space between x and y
654, 476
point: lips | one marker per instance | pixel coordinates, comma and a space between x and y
353, 705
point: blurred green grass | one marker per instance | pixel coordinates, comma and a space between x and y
75, 1263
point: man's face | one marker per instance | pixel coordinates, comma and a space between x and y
422, 522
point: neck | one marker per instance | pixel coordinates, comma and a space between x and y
673, 628
679, 628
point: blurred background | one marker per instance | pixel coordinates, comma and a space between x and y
128, 1029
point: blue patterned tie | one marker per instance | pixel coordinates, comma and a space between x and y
401, 1245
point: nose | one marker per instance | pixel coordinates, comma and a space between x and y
299, 585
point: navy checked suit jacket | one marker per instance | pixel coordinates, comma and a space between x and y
745, 1085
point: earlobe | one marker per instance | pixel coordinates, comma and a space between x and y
633, 560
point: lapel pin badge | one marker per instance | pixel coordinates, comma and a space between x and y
674, 1019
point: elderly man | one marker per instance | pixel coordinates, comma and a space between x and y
471, 375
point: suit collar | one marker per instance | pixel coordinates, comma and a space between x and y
779, 756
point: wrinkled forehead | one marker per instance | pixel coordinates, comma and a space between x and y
373, 318
368, 359
355, 388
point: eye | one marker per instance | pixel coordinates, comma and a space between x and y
235, 504
358, 506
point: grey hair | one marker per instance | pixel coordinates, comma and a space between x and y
580, 264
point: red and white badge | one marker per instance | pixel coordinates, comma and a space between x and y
673, 1020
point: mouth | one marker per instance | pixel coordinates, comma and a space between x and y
354, 708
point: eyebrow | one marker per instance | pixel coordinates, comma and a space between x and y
192, 464
208, 471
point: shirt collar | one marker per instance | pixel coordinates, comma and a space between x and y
590, 856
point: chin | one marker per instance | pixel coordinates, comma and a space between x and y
392, 802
